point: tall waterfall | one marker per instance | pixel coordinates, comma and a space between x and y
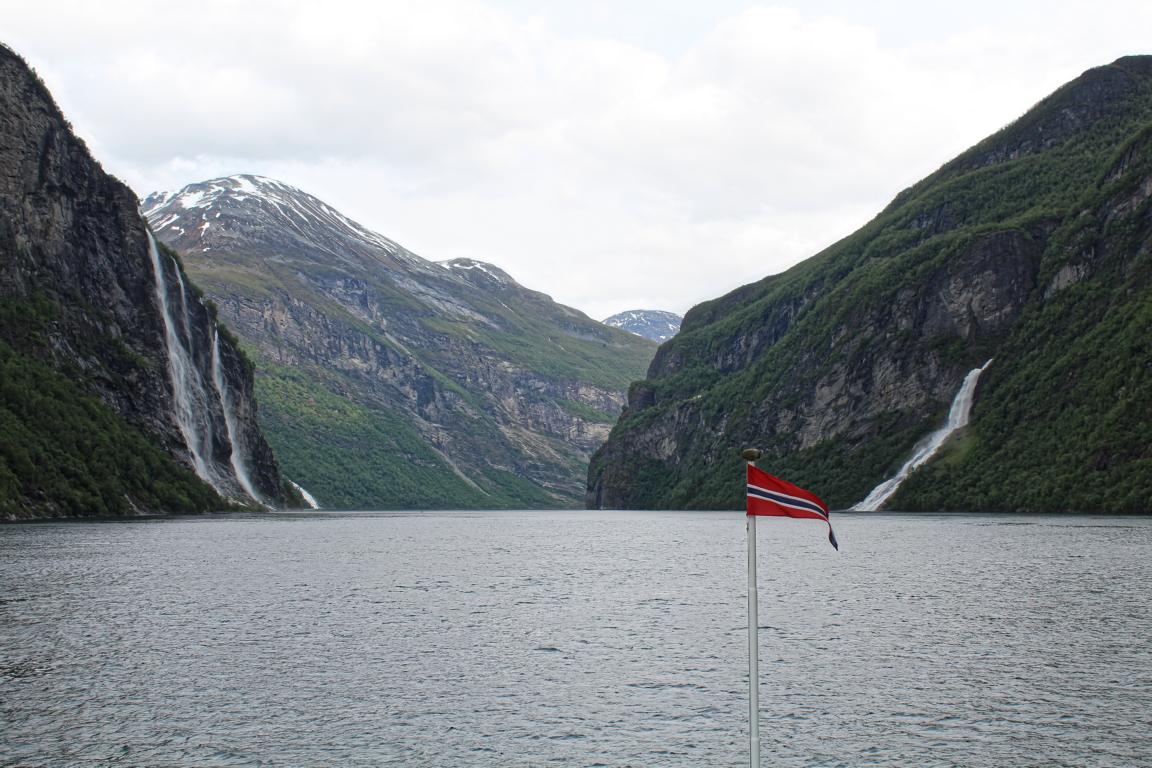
239, 466
201, 389
193, 407
957, 417
187, 386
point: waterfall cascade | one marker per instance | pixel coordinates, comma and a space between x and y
308, 498
239, 466
957, 417
192, 402
184, 376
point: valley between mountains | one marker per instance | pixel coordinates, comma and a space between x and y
389, 381
268, 340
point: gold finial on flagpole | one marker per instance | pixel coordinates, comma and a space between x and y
751, 454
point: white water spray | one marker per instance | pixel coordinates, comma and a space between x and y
239, 466
957, 417
182, 372
308, 498
183, 304
192, 408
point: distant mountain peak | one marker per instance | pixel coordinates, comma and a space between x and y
247, 204
654, 324
206, 194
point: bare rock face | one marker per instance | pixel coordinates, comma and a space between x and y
1032, 248
72, 238
494, 385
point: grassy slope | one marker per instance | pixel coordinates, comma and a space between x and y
344, 451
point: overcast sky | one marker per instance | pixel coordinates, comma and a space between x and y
614, 154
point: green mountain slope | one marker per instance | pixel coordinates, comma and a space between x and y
63, 453
388, 381
1032, 248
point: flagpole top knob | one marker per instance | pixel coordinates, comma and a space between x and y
751, 454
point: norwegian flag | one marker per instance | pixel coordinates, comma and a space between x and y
772, 497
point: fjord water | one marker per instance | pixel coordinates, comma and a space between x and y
575, 639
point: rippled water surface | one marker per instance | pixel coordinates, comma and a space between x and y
575, 639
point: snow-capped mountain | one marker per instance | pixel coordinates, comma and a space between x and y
238, 213
388, 380
247, 208
652, 324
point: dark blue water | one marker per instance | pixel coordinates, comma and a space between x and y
575, 639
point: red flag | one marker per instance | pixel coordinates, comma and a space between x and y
771, 496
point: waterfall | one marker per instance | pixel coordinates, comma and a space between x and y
309, 498
182, 371
239, 466
200, 390
193, 405
183, 294
957, 418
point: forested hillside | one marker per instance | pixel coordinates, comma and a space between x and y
1031, 249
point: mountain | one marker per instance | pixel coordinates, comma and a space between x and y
387, 380
650, 323
1033, 249
119, 393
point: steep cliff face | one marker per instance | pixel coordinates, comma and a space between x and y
1031, 249
80, 296
390, 381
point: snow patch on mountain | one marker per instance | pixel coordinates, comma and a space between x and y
302, 211
654, 324
489, 271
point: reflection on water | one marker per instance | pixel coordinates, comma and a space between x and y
575, 639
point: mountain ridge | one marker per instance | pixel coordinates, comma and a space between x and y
448, 369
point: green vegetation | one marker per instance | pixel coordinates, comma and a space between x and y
539, 336
344, 452
63, 453
416, 386
587, 412
1061, 417
1065, 428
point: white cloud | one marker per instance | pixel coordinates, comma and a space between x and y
602, 162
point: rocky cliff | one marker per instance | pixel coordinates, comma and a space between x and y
95, 421
387, 380
1033, 249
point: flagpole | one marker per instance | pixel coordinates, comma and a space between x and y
750, 455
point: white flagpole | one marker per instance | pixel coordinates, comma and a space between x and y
753, 651
750, 455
